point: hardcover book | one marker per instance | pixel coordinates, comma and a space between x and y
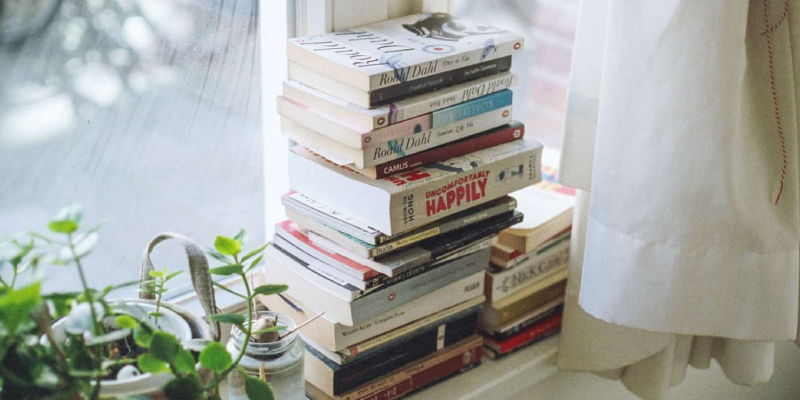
535, 333
403, 336
403, 52
506, 331
313, 290
398, 148
355, 137
347, 377
299, 204
421, 196
368, 119
411, 377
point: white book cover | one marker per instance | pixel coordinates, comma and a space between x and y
403, 49
367, 119
418, 197
502, 283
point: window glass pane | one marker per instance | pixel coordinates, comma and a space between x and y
544, 66
145, 112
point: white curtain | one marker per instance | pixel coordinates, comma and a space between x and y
681, 134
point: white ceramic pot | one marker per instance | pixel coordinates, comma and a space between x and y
143, 384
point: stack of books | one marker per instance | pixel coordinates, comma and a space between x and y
404, 154
526, 281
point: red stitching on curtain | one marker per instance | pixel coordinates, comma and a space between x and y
780, 21
768, 33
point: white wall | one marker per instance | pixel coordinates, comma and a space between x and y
708, 384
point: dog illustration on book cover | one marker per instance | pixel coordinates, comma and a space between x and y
444, 27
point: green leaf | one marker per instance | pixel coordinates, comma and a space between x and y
172, 275
257, 389
226, 270
254, 252
240, 236
164, 346
124, 321
185, 388
15, 306
217, 255
184, 361
234, 319
267, 290
270, 329
227, 246
142, 335
255, 262
215, 357
149, 363
155, 314
155, 274
63, 226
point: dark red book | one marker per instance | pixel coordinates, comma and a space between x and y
530, 335
491, 138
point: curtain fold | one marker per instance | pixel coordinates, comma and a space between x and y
681, 134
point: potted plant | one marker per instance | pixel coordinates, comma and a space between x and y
101, 348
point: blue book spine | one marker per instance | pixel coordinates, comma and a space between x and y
472, 108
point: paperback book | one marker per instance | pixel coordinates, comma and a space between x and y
393, 113
398, 148
403, 54
525, 301
511, 328
353, 136
536, 333
301, 205
316, 294
419, 197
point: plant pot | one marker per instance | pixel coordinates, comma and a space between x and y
281, 362
175, 320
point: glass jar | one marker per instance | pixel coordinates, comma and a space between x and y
282, 362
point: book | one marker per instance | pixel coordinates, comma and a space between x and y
315, 293
548, 210
336, 335
404, 247
355, 137
402, 51
403, 202
410, 377
524, 301
343, 378
288, 231
429, 250
538, 265
299, 204
491, 138
398, 148
531, 335
507, 257
511, 328
314, 264
402, 336
401, 110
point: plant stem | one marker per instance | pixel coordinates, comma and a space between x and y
158, 300
95, 323
246, 329
86, 292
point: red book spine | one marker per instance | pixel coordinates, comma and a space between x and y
455, 149
530, 334
427, 376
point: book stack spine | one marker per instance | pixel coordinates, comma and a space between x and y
405, 154
526, 281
